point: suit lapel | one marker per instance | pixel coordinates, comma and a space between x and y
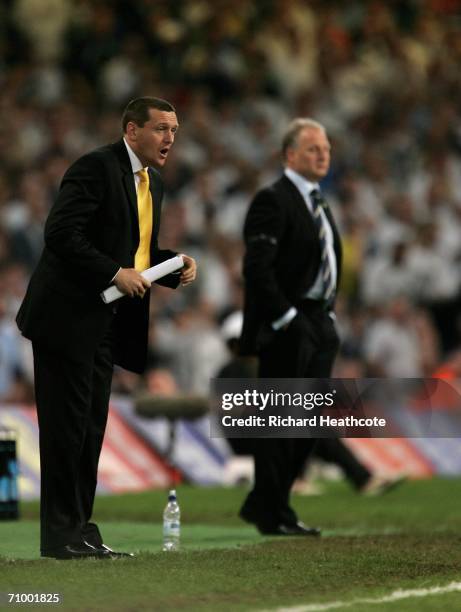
127, 177
300, 205
130, 190
336, 242
303, 212
155, 186
156, 191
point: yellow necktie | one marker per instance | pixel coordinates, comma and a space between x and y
142, 257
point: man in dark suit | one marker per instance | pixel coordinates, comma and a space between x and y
102, 229
291, 269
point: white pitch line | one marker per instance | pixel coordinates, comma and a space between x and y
395, 596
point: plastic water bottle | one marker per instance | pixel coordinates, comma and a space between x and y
171, 523
8, 475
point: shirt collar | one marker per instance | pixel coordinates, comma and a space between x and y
136, 164
304, 186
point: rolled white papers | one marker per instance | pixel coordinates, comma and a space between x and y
151, 274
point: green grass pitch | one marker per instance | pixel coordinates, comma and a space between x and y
371, 547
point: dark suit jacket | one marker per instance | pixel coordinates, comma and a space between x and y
282, 258
92, 231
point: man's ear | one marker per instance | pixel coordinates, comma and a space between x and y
131, 130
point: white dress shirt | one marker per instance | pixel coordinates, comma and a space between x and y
136, 166
315, 292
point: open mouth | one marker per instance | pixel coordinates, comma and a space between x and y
164, 152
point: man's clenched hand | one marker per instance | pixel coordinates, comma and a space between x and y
130, 282
189, 272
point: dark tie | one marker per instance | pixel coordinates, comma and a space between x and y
325, 268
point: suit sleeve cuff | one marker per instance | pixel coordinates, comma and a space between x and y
285, 319
113, 278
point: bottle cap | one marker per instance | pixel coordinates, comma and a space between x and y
172, 495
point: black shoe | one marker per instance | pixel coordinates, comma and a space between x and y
298, 529
269, 528
105, 549
80, 550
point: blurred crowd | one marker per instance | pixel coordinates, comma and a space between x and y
382, 76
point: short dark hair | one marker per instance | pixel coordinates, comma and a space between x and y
138, 110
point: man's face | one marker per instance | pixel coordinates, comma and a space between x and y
152, 141
310, 156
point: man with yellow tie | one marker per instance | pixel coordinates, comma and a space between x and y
102, 229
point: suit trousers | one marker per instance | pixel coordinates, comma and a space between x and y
72, 398
306, 349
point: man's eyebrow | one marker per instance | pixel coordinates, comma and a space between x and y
163, 124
